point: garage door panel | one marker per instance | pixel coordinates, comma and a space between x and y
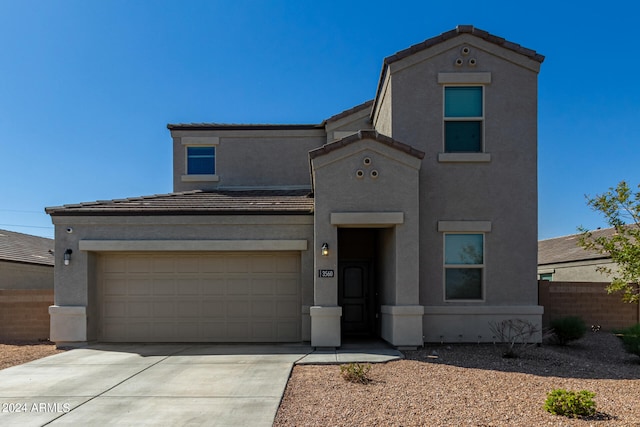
287, 308
163, 287
237, 286
238, 264
287, 287
205, 297
136, 264
263, 286
237, 308
263, 309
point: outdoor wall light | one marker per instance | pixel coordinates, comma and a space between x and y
325, 249
67, 256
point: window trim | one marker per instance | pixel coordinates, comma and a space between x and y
446, 119
482, 78
482, 268
200, 141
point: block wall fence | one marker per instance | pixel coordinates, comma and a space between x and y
588, 300
24, 314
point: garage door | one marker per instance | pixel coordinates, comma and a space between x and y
199, 297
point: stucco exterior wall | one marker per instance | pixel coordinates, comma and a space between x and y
578, 271
76, 283
251, 159
502, 190
16, 275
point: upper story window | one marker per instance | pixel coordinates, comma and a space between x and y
463, 266
463, 119
201, 160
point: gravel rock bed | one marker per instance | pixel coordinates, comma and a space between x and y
470, 385
18, 352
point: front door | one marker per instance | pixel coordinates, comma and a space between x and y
356, 297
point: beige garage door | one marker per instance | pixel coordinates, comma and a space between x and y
199, 297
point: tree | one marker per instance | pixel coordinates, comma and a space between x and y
621, 209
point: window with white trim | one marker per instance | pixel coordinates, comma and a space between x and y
201, 160
463, 119
463, 266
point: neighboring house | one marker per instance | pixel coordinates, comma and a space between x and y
411, 217
562, 259
26, 262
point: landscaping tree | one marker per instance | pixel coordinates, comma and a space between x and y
621, 209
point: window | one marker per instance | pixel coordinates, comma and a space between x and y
546, 276
463, 266
463, 119
201, 160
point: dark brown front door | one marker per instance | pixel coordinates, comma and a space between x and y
356, 298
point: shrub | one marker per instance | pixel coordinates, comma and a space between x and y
568, 329
571, 403
631, 339
515, 336
356, 372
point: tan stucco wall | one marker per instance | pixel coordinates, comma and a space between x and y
75, 284
15, 275
578, 271
252, 158
502, 191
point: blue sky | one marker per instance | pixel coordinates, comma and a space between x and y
87, 87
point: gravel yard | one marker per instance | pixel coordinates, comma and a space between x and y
16, 353
470, 385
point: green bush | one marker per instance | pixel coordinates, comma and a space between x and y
631, 339
355, 372
568, 329
571, 403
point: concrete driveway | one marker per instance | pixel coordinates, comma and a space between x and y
150, 385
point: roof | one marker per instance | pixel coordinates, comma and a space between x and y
566, 249
464, 29
198, 202
241, 126
25, 248
460, 29
366, 134
345, 113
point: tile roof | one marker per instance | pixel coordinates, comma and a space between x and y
18, 247
566, 249
242, 126
345, 113
366, 134
464, 29
198, 202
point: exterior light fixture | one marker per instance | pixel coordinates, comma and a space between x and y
67, 256
325, 249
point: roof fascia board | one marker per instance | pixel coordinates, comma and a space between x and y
249, 133
499, 51
364, 145
179, 220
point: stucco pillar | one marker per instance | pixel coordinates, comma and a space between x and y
68, 324
325, 313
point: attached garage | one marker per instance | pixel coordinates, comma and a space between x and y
199, 296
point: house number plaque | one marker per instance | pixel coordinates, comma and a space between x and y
325, 273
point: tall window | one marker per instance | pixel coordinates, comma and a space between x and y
463, 266
463, 118
201, 160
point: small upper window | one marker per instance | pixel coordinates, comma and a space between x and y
463, 266
463, 119
201, 160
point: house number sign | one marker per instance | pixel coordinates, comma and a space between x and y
325, 273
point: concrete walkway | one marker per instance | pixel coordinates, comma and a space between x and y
160, 385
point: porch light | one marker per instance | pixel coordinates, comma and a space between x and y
67, 256
325, 249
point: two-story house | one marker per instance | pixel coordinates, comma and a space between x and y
411, 217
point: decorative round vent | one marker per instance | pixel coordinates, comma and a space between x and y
374, 174
366, 161
360, 173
